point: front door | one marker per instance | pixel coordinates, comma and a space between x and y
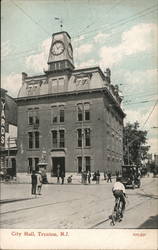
58, 162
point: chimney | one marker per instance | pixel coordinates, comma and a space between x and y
24, 75
108, 75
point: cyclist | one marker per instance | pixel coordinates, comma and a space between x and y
119, 191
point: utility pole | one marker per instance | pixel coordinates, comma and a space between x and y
8, 151
82, 134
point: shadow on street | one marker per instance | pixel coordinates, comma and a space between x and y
13, 200
151, 223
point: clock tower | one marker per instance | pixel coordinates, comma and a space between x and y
61, 53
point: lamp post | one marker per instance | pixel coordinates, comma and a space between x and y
82, 148
8, 152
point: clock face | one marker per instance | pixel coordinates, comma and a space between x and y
58, 48
70, 52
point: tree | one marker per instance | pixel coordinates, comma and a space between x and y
134, 141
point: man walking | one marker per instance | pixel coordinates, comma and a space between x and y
33, 182
58, 173
109, 176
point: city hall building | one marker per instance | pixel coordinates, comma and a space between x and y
67, 116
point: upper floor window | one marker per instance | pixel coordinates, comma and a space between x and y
86, 111
36, 116
80, 112
79, 137
83, 136
58, 84
33, 116
61, 113
33, 139
58, 114
30, 139
83, 111
61, 138
87, 137
54, 114
36, 139
54, 138
58, 138
30, 117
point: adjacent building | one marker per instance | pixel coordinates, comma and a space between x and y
8, 149
69, 117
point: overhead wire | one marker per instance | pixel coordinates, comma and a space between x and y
124, 19
30, 17
117, 24
150, 114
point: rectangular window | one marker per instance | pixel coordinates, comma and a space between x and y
30, 139
30, 162
87, 111
54, 139
62, 113
36, 164
36, 139
61, 138
80, 112
30, 117
30, 165
79, 164
79, 136
87, 137
88, 163
54, 114
36, 116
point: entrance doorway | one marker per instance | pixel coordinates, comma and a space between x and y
55, 162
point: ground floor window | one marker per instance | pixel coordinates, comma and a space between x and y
36, 164
33, 164
86, 163
79, 164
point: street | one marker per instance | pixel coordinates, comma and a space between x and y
77, 206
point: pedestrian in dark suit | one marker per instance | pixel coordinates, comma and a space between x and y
58, 173
62, 177
109, 176
33, 182
97, 177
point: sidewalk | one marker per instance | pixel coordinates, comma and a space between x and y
25, 178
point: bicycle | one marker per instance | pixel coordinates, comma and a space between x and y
117, 212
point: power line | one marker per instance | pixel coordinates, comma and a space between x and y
145, 101
124, 19
107, 14
95, 30
30, 17
150, 113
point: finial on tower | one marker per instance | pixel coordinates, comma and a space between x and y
60, 21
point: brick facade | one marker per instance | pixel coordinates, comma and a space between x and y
67, 115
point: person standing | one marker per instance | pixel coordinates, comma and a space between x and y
85, 177
89, 177
97, 177
33, 182
62, 177
58, 173
39, 182
105, 175
109, 176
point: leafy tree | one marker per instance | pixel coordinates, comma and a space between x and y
134, 141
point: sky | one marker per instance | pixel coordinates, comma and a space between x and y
116, 34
